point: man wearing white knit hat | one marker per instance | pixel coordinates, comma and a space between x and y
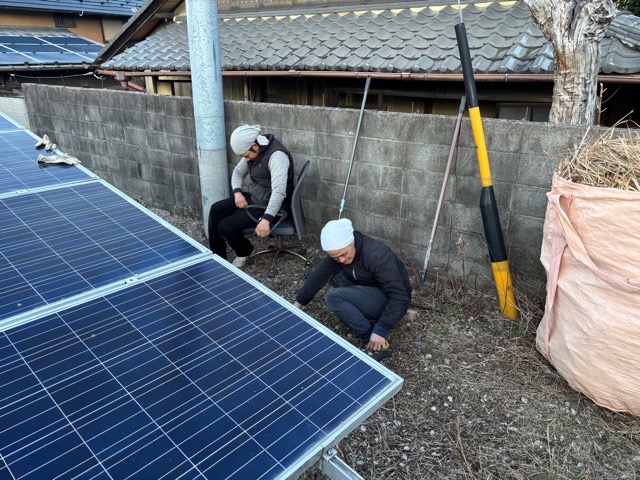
372, 291
269, 166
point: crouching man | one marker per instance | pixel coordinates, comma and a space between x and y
371, 290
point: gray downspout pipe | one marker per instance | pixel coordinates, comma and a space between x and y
208, 104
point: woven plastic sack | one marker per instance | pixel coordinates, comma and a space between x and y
590, 331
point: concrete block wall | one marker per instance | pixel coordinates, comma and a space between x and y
144, 145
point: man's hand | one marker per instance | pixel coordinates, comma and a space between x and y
297, 305
376, 343
241, 202
263, 228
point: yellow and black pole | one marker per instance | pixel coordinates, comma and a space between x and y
488, 206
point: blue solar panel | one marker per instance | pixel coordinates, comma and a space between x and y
198, 373
19, 168
46, 49
62, 242
6, 125
188, 369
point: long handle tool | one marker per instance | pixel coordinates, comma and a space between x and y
488, 206
355, 143
454, 144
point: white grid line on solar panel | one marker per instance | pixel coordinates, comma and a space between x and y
200, 402
21, 54
266, 386
83, 438
43, 244
41, 50
18, 158
243, 431
129, 390
54, 435
58, 45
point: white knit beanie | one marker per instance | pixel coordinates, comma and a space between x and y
244, 136
336, 234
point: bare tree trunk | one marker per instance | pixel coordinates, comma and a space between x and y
575, 29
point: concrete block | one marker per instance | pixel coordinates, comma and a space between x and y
136, 137
550, 139
380, 227
338, 147
504, 135
536, 170
163, 193
380, 152
378, 177
427, 157
181, 164
378, 202
469, 190
157, 175
466, 162
467, 219
190, 183
334, 171
531, 201
427, 185
300, 141
132, 118
113, 132
503, 165
181, 145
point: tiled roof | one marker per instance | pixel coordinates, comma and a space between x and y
123, 8
418, 39
27, 48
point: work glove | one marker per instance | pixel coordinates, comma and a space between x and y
62, 158
47, 143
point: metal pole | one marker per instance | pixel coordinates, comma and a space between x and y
355, 143
208, 104
454, 142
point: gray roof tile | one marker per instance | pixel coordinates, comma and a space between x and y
502, 38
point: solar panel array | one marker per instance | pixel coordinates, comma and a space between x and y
33, 49
128, 350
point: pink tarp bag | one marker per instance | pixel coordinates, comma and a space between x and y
590, 331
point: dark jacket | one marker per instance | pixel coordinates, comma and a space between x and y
259, 171
374, 264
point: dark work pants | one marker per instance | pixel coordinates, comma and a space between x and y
355, 304
226, 224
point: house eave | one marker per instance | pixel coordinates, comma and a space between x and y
428, 77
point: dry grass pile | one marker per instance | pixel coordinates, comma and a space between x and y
611, 160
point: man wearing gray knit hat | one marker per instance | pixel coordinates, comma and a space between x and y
269, 166
372, 291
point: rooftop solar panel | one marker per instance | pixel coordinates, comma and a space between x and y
197, 373
65, 241
18, 49
19, 168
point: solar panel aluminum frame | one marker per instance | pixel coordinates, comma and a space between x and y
17, 125
325, 450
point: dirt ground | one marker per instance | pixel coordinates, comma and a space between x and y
478, 402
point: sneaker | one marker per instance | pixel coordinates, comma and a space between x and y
239, 262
